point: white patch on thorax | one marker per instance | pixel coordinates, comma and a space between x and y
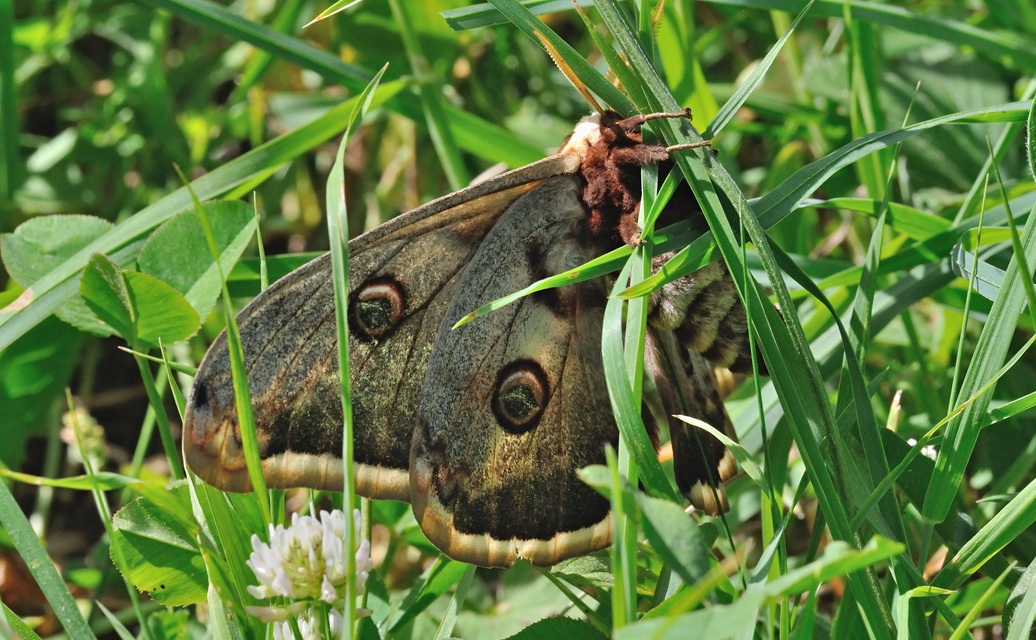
586, 134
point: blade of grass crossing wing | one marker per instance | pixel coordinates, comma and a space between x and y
242, 397
600, 266
624, 546
624, 406
337, 227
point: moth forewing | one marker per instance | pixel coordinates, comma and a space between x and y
289, 337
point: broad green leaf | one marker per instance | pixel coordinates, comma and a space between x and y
161, 556
138, 306
552, 628
675, 537
33, 374
161, 312
41, 244
591, 572
177, 253
105, 292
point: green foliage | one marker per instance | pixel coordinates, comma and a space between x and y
42, 243
154, 545
176, 252
140, 308
33, 373
874, 172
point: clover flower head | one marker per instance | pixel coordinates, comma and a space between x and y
310, 627
305, 563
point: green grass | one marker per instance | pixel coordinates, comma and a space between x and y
874, 179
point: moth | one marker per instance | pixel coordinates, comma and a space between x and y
481, 428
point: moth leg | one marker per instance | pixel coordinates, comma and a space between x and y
633, 123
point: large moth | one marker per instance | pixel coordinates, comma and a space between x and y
481, 428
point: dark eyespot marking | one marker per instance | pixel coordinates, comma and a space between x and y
521, 394
201, 396
376, 307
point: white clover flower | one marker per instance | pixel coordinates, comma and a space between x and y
305, 563
309, 625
